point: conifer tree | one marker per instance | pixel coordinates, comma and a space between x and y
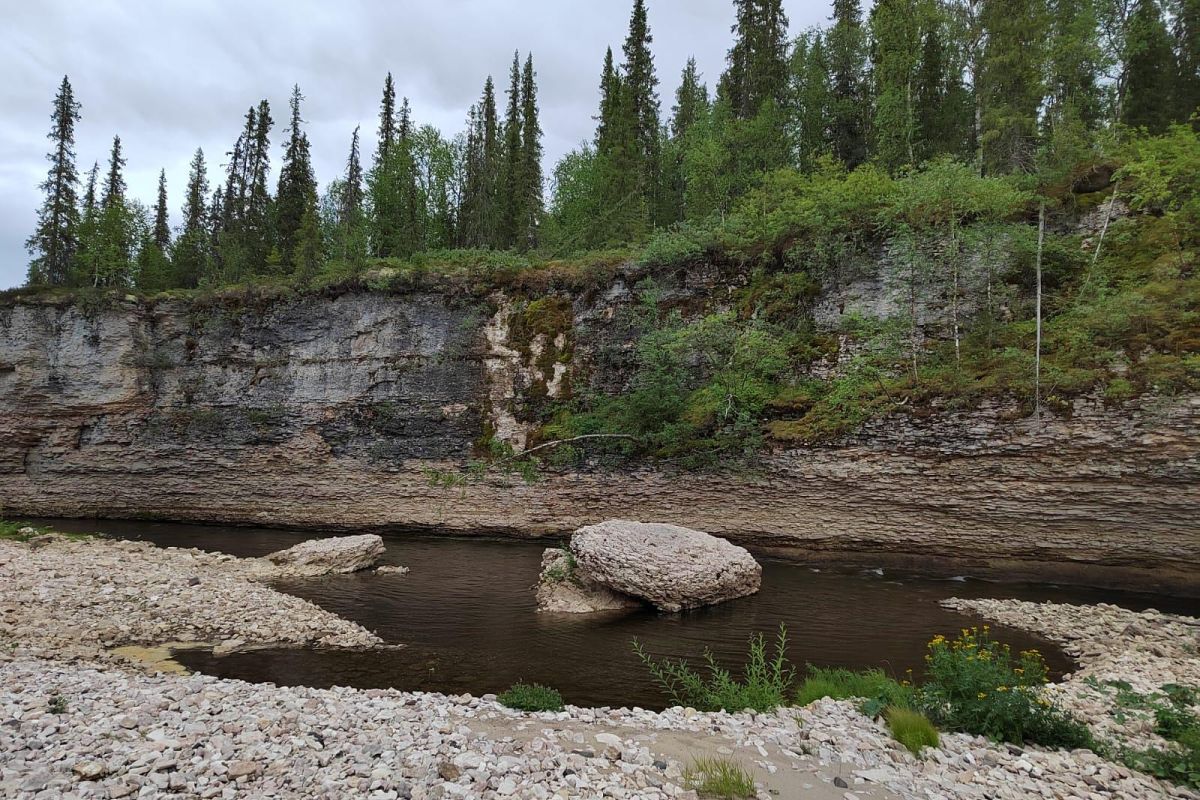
896, 49
83, 264
757, 70
162, 225
620, 200
477, 222
509, 210
297, 192
1187, 55
642, 105
1012, 83
56, 237
1075, 60
531, 203
813, 95
691, 101
944, 104
114, 248
351, 235
847, 48
1151, 69
192, 253
381, 182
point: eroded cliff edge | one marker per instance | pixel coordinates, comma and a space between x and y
330, 411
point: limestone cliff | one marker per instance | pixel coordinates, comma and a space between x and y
330, 411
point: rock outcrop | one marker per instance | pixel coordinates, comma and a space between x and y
562, 588
330, 413
667, 566
337, 555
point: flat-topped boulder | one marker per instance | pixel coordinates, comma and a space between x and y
667, 566
563, 589
336, 555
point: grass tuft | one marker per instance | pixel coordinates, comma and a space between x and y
911, 729
721, 778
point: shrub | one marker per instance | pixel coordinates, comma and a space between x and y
765, 683
719, 777
911, 728
975, 685
873, 687
532, 697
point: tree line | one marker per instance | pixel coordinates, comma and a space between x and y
990, 84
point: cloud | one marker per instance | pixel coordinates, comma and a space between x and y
171, 76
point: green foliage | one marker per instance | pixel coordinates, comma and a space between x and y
1172, 709
873, 687
974, 684
719, 778
911, 729
532, 697
765, 684
57, 704
11, 531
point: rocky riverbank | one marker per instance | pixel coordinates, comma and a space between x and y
75, 726
70, 598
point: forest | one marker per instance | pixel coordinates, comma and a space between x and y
958, 141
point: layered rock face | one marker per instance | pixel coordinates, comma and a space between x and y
334, 412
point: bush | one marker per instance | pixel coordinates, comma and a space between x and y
532, 697
719, 777
911, 728
765, 683
975, 685
873, 687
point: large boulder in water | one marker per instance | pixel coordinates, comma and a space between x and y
670, 567
335, 556
563, 589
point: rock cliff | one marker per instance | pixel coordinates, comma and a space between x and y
331, 412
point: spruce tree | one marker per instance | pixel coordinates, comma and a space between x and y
619, 196
381, 182
896, 50
691, 101
112, 264
1075, 60
813, 93
55, 239
162, 226
509, 210
642, 105
83, 264
191, 254
297, 192
944, 104
351, 235
1012, 84
849, 111
1187, 50
757, 70
1151, 69
532, 204
690, 109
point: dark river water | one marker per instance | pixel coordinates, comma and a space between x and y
467, 614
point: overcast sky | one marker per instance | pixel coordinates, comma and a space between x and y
169, 76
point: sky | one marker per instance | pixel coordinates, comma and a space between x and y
169, 76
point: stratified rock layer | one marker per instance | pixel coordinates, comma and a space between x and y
330, 413
334, 556
670, 567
